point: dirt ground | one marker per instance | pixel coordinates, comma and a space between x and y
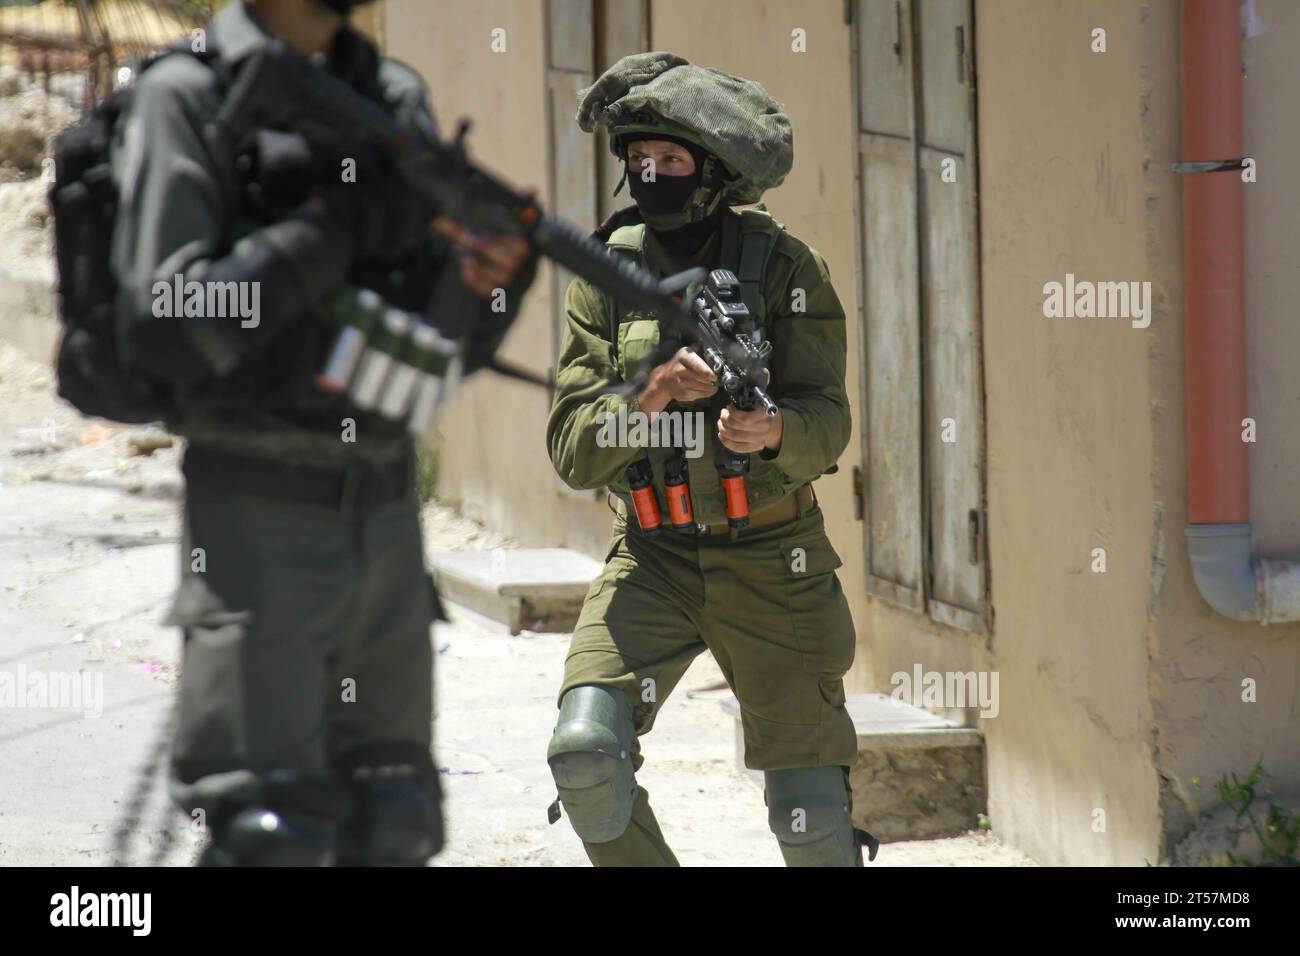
88, 535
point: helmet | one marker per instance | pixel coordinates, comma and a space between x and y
734, 119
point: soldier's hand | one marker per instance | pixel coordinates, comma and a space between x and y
749, 432
683, 378
487, 263
495, 263
686, 377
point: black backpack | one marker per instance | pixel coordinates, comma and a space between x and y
84, 201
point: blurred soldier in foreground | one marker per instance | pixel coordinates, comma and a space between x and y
306, 694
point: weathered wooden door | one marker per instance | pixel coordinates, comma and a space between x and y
922, 386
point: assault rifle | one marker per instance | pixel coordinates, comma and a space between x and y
720, 329
723, 327
275, 86
723, 332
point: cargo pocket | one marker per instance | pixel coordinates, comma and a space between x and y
819, 611
606, 572
195, 604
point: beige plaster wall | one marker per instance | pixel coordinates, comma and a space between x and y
1069, 432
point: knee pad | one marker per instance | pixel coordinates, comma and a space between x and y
396, 818
591, 760
808, 809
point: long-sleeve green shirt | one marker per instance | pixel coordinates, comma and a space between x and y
805, 324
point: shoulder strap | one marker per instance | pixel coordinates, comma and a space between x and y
747, 242
729, 253
626, 242
211, 58
759, 233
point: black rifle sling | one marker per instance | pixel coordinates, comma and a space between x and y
745, 253
755, 248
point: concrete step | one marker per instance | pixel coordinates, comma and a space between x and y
918, 776
538, 589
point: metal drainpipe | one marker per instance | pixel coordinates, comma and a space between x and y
1219, 532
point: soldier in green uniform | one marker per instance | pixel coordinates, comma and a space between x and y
764, 599
305, 717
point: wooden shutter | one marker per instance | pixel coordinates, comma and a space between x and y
923, 420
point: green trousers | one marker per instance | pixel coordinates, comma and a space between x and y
769, 607
306, 628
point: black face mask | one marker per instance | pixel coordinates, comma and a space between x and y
663, 194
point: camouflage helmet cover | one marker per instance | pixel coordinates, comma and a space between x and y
734, 119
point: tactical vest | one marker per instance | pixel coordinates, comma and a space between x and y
748, 239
